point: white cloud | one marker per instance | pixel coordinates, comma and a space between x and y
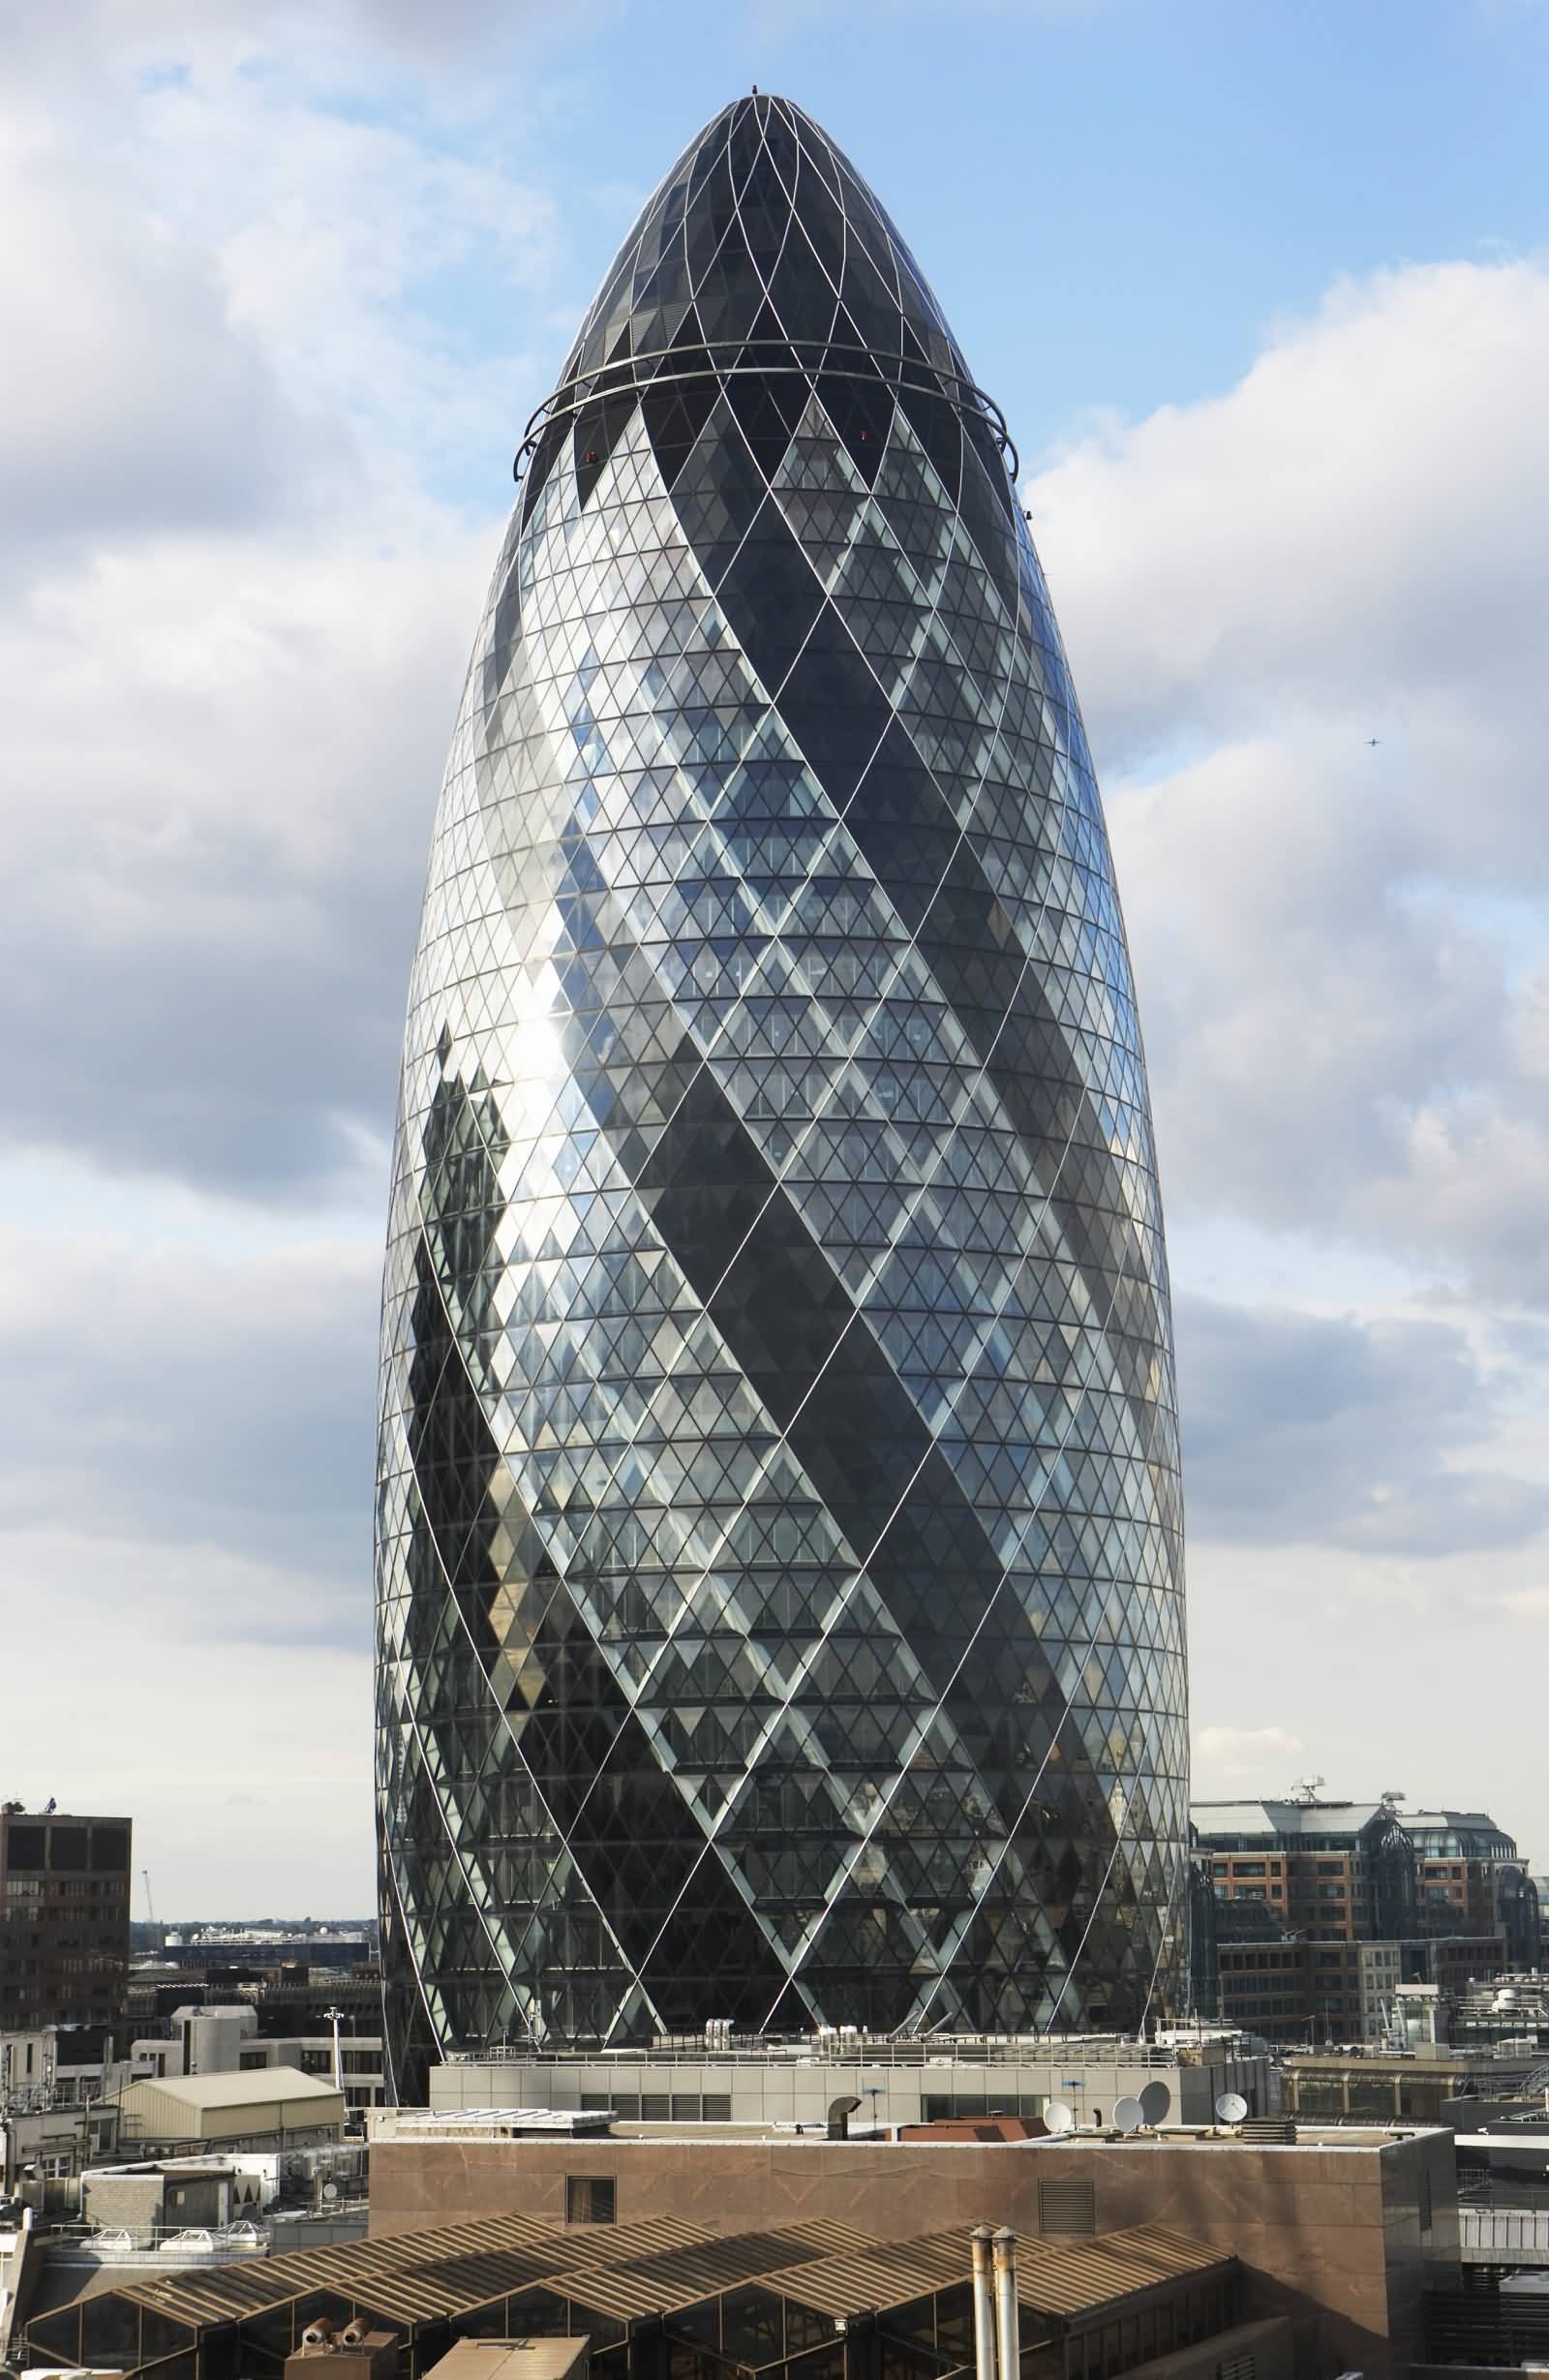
1408, 1671
1341, 956
1346, 1430
1226, 1755
1349, 530
233, 608
245, 1767
158, 1397
1340, 947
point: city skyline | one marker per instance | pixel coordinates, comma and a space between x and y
285, 282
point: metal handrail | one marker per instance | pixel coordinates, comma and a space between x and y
574, 396
849, 2053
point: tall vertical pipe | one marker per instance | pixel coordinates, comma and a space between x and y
984, 2305
1007, 2332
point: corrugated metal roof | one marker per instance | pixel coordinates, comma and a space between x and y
406, 2264
661, 2266
1063, 2277
1076, 2277
256, 2085
881, 2275
673, 2278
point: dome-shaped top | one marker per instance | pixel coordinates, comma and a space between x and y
764, 262
763, 205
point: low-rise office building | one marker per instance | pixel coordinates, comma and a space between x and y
1298, 1992
1425, 2086
906, 2082
1340, 1875
52, 2141
1343, 1871
230, 2040
1343, 2230
1508, 2011
273, 2108
813, 2298
176, 2193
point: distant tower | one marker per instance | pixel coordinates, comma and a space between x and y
780, 1605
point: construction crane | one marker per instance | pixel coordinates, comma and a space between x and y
145, 1879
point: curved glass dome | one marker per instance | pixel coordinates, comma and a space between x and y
780, 1605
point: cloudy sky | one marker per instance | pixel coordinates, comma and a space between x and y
1264, 293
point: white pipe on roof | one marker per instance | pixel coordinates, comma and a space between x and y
1007, 2332
983, 2304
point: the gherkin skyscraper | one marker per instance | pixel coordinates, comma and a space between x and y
781, 1607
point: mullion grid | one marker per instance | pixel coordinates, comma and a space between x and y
773, 1724
846, 194
922, 1729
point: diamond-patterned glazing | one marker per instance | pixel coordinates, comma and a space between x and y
780, 1543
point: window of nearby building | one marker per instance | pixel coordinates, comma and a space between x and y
1247, 1867
589, 2198
1330, 1867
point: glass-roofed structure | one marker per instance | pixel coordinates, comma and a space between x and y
780, 1562
662, 2300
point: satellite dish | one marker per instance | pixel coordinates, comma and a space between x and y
1059, 2117
1230, 2107
1156, 2103
1127, 2115
330, 2191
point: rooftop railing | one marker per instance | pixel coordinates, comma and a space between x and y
842, 2049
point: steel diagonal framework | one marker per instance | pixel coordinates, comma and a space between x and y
779, 1579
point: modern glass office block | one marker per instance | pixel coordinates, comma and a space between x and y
780, 1609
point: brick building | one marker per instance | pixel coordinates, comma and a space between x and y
1321, 1909
1473, 1879
64, 1920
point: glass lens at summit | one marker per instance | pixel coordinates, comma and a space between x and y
779, 1564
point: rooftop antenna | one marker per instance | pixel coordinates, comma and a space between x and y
335, 2015
1156, 2103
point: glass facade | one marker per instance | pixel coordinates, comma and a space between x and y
780, 1592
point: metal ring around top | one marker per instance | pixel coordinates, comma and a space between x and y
575, 395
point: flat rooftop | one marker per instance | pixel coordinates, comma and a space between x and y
849, 2046
420, 2126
